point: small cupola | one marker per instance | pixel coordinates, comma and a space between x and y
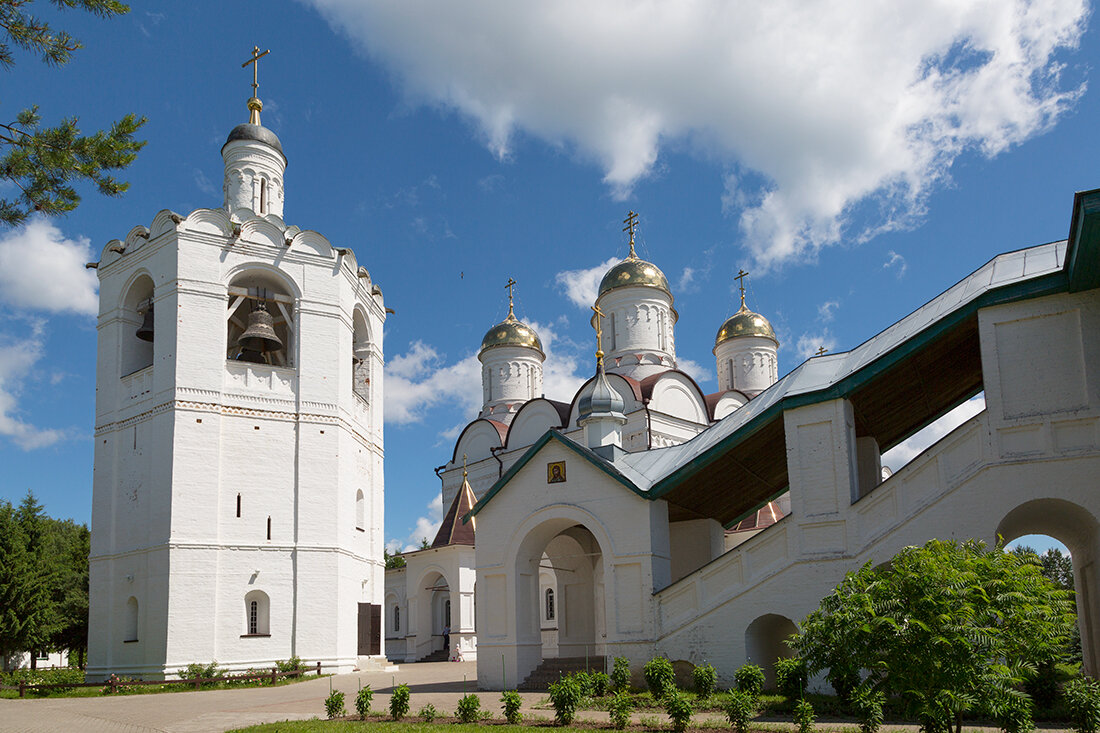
511, 359
600, 406
746, 350
254, 161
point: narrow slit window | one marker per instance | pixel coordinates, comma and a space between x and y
263, 196
253, 617
269, 526
549, 604
238, 506
397, 618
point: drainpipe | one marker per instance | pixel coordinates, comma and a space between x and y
500, 468
648, 425
437, 470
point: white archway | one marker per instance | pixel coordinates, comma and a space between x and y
764, 643
1077, 529
433, 613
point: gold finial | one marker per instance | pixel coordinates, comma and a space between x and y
740, 278
511, 284
821, 350
631, 222
254, 103
599, 335
463, 466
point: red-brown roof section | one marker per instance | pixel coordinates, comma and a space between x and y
454, 531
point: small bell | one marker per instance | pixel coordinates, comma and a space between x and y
145, 331
260, 335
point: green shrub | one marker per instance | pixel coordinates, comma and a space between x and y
334, 705
618, 709
678, 708
1042, 687
705, 678
196, 671
804, 716
600, 683
1013, 713
428, 713
867, 705
52, 676
584, 681
844, 683
399, 702
659, 677
294, 664
565, 696
469, 709
512, 702
362, 700
620, 673
740, 709
790, 676
749, 679
1083, 701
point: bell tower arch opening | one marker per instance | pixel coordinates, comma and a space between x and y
138, 328
259, 319
1079, 531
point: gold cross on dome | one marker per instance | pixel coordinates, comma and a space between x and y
254, 60
821, 350
599, 333
740, 278
631, 222
463, 465
511, 284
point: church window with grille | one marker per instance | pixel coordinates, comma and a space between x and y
549, 604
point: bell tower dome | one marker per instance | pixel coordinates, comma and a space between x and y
637, 301
254, 161
511, 359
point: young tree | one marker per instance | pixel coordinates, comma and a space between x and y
37, 608
15, 580
947, 627
41, 163
394, 560
69, 592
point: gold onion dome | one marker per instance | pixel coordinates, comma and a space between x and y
511, 332
634, 271
744, 323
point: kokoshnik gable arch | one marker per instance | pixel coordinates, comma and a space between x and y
1024, 328
238, 491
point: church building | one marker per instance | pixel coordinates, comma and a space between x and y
644, 517
238, 489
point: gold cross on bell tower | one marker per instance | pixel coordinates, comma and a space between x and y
631, 222
599, 334
254, 103
511, 284
740, 278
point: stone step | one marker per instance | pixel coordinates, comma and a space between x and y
441, 655
551, 670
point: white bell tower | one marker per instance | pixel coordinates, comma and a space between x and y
238, 489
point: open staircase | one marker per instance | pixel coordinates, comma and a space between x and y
551, 670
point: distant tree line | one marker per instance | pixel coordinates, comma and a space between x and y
43, 583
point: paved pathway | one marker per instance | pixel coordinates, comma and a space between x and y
215, 711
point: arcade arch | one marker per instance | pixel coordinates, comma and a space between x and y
764, 643
1077, 529
433, 614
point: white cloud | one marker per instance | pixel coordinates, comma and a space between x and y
203, 183
18, 357
686, 278
582, 286
810, 108
425, 527
41, 269
695, 370
894, 260
827, 311
809, 344
909, 449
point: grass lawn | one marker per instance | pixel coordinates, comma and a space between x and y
446, 725
98, 690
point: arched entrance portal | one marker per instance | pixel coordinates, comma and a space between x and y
433, 621
765, 642
1077, 529
561, 599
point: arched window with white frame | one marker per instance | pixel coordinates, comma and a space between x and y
257, 610
130, 633
360, 510
549, 604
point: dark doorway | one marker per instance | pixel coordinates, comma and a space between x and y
370, 629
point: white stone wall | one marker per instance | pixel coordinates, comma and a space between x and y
177, 443
510, 376
748, 364
639, 331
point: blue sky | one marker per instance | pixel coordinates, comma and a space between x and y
856, 164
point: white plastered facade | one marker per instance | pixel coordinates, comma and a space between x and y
221, 483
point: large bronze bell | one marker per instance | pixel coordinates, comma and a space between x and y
145, 330
260, 335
